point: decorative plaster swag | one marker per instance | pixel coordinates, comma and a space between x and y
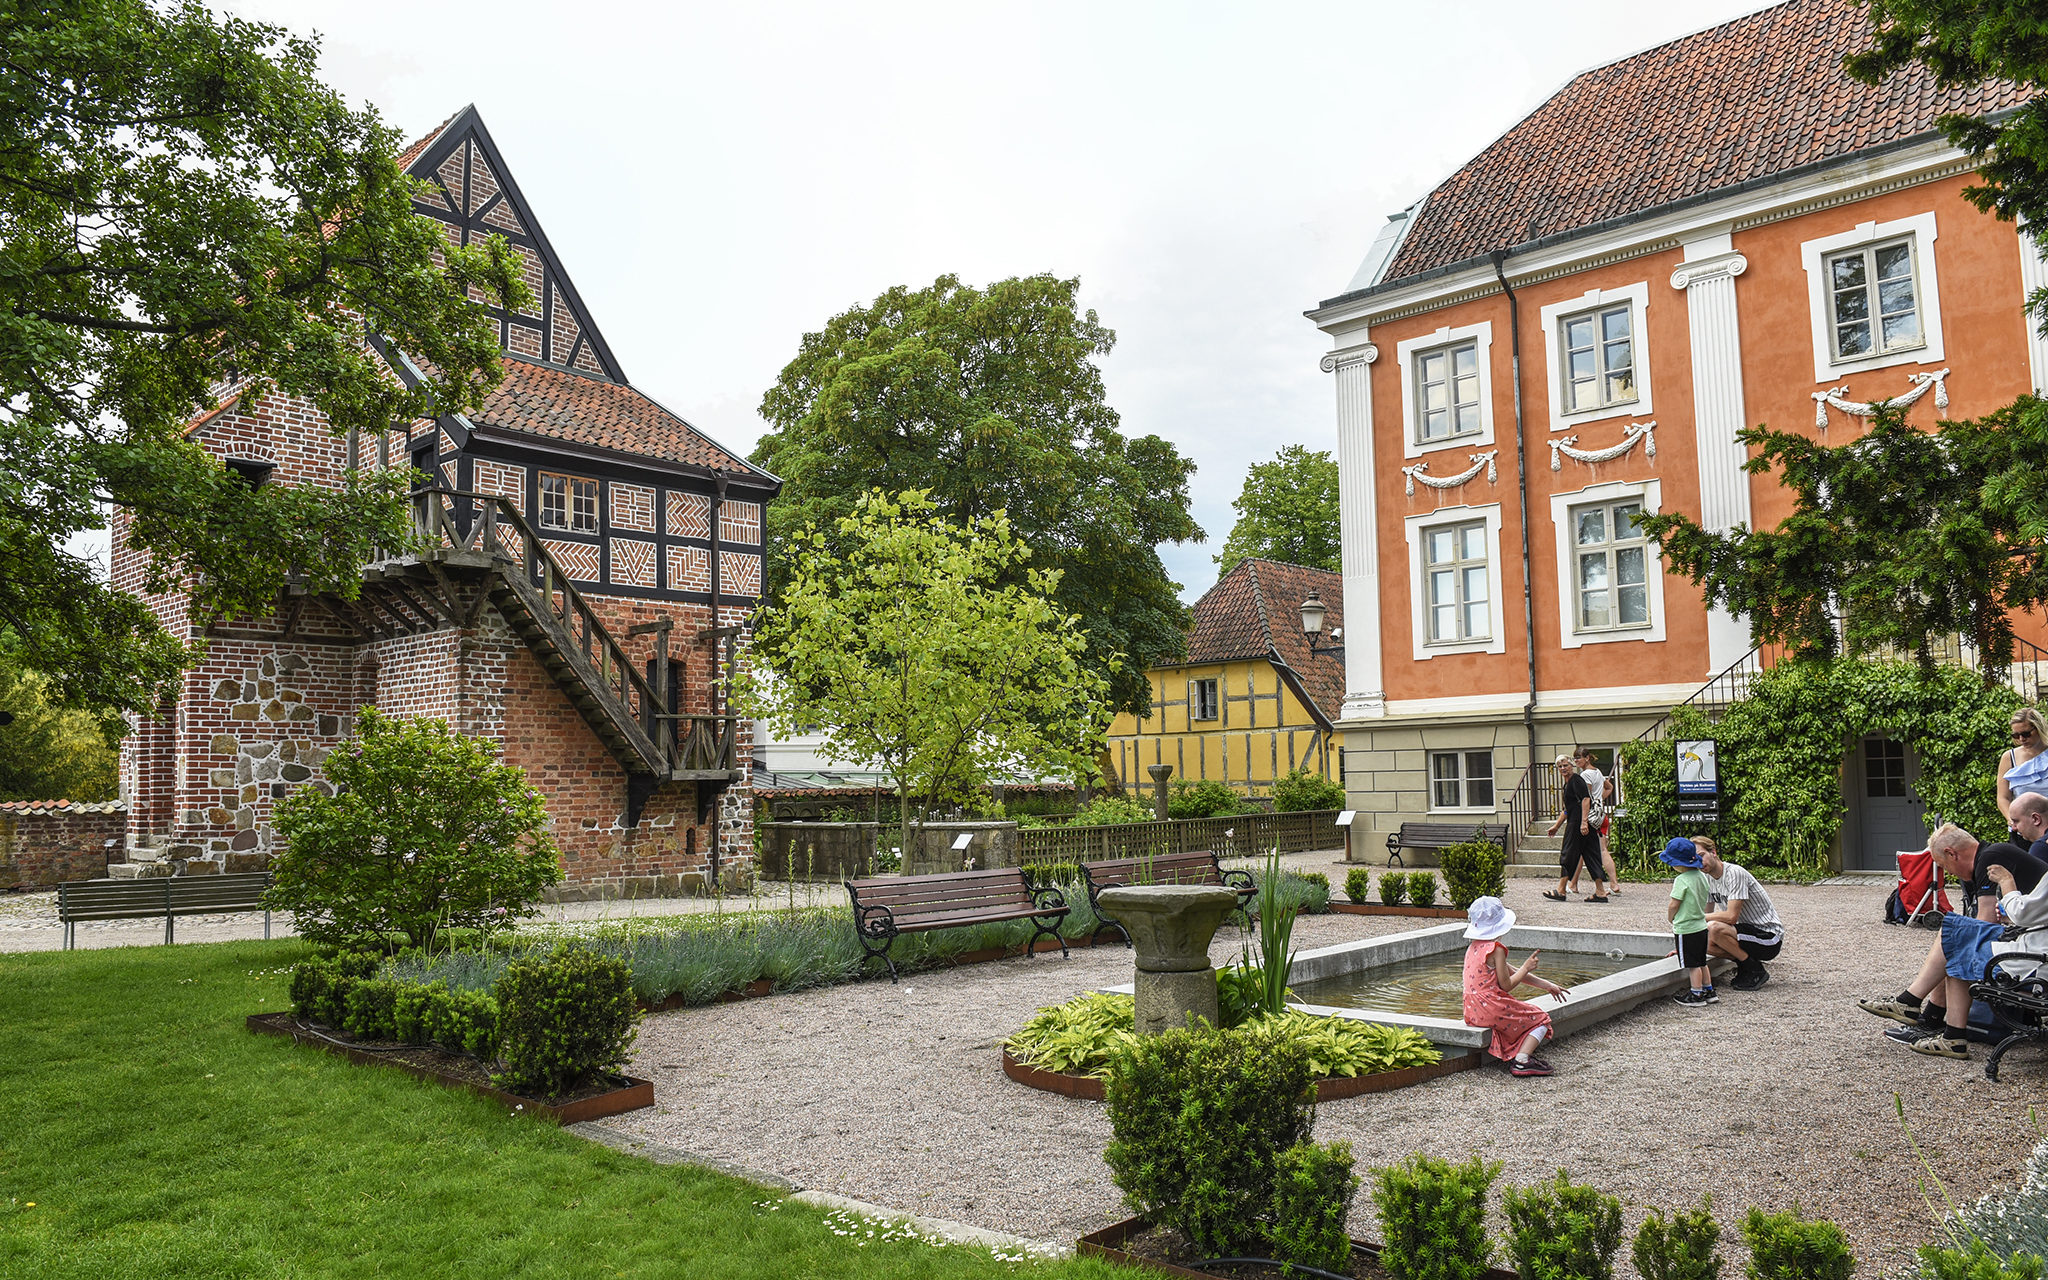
1480, 461
1633, 432
1921, 381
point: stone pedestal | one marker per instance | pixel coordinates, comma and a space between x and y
1170, 927
1160, 773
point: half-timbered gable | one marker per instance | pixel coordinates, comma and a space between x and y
589, 563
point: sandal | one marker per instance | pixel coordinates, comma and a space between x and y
1554, 896
1601, 897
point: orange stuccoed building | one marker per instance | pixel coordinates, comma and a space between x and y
1721, 231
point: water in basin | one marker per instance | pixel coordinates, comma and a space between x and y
1434, 986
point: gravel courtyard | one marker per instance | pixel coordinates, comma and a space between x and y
894, 1094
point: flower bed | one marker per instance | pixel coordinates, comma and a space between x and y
614, 1095
1329, 1089
1136, 1242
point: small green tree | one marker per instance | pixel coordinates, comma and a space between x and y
1287, 511
426, 831
50, 752
907, 640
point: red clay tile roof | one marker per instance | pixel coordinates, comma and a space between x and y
412, 153
1256, 609
1758, 96
542, 400
61, 806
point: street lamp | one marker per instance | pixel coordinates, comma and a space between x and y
1312, 612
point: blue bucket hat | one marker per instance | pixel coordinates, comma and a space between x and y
1681, 852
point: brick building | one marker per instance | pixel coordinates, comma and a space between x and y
592, 561
1720, 231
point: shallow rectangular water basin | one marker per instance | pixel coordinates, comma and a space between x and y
1621, 970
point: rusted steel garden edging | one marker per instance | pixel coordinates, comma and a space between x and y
1104, 1244
634, 1095
1090, 1088
765, 987
1381, 909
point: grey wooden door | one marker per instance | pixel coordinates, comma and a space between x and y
1892, 816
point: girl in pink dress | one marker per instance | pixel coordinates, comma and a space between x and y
1518, 1026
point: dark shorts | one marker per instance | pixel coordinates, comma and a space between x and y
1761, 941
1692, 949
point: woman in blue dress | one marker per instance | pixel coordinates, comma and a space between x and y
2024, 767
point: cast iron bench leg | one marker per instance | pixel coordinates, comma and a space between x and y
1038, 928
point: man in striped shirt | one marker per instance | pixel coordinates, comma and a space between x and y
1741, 922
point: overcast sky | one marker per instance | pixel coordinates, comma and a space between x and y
721, 178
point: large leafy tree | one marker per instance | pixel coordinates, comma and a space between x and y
990, 400
1907, 536
49, 752
184, 207
932, 649
1287, 510
1965, 43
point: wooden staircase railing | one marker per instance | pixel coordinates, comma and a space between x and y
488, 526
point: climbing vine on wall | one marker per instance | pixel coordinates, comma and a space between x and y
1784, 746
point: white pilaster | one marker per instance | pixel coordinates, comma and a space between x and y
1708, 278
2033, 275
1358, 515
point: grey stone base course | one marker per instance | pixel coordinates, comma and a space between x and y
943, 1228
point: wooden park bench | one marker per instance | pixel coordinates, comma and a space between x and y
887, 906
2018, 1000
1441, 835
1199, 868
166, 896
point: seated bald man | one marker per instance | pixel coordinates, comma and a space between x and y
1936, 1004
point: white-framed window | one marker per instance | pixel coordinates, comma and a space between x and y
1202, 700
1454, 575
1461, 780
1610, 580
1455, 560
1598, 355
1447, 389
568, 502
1874, 300
1874, 297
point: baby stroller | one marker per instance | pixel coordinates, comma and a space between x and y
1918, 897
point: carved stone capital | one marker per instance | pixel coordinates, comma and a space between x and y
1336, 360
1722, 264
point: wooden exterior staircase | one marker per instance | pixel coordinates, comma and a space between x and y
471, 549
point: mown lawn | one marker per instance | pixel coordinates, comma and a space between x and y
144, 1132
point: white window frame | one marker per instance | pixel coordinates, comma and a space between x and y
1481, 335
1215, 711
1429, 605
1463, 755
1813, 255
1651, 494
1637, 296
1418, 618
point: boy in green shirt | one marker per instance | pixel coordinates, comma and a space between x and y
1687, 912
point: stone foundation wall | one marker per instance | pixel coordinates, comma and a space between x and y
46, 842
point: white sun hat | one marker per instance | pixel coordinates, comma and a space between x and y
1489, 920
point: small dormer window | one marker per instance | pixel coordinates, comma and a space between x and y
255, 474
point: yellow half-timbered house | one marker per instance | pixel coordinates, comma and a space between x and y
1256, 697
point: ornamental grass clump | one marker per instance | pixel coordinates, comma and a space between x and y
1433, 1218
1562, 1231
563, 1018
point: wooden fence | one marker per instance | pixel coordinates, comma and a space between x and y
1241, 835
